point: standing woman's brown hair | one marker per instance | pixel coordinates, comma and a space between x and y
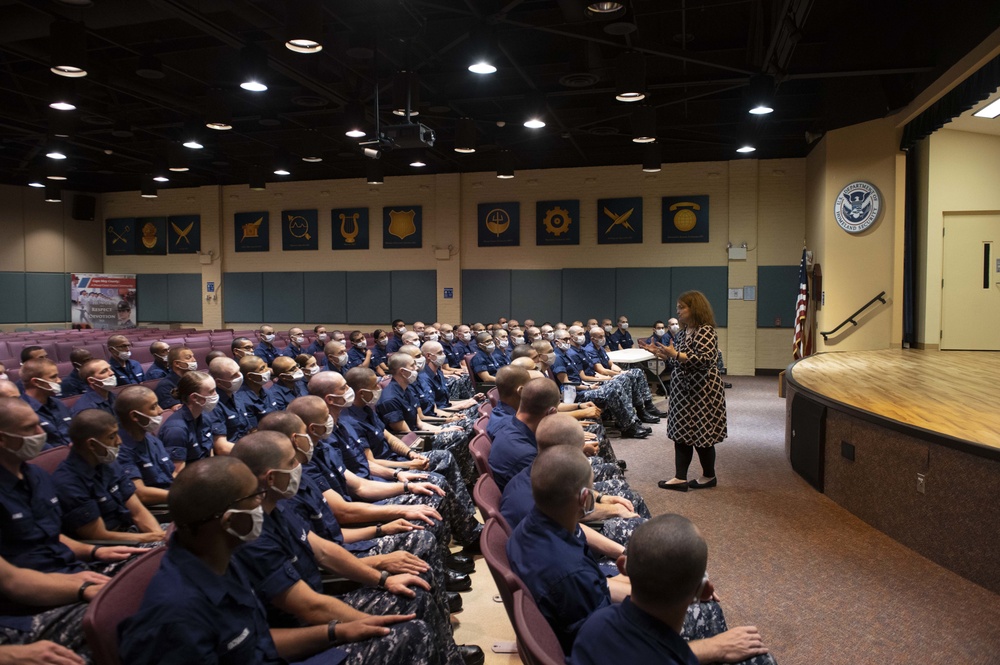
699, 309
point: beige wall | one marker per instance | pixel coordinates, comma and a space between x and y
760, 203
36, 236
961, 176
857, 267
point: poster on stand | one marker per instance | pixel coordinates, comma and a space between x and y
103, 302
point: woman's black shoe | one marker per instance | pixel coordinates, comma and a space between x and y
695, 485
677, 487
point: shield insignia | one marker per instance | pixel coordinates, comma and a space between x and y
401, 223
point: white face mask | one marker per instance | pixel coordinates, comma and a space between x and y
549, 336
675, 328
518, 341
490, 348
234, 384
362, 343
503, 343
419, 363
162, 358
659, 332
257, 515
210, 401
191, 365
306, 448
400, 331
343, 400
261, 377
52, 386
466, 336
294, 480
327, 427
580, 339
504, 325
297, 374
268, 338
298, 340
373, 400
409, 375
242, 353
312, 369
623, 326
340, 360
322, 337
382, 341
107, 382
608, 328
449, 336
152, 424
106, 454
441, 360
123, 355
30, 447
433, 337
562, 345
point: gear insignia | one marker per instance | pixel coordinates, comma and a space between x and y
557, 221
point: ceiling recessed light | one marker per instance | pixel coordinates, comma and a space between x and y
746, 148
482, 67
219, 126
534, 123
62, 106
312, 160
990, 111
282, 171
253, 86
355, 133
194, 144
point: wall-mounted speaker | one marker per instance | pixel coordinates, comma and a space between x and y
84, 207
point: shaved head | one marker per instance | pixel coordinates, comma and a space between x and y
559, 429
208, 487
538, 396
557, 476
509, 379
309, 408
666, 562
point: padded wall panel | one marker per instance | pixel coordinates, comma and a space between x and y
13, 307
369, 297
184, 297
153, 299
325, 296
585, 292
536, 294
777, 291
643, 295
486, 295
282, 292
47, 297
242, 297
414, 295
713, 281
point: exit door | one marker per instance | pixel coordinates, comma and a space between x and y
970, 292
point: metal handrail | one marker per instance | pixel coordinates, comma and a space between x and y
851, 318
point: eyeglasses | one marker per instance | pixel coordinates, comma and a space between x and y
258, 496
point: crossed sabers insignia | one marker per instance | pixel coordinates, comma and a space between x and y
619, 219
182, 234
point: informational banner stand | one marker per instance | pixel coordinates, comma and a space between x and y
103, 302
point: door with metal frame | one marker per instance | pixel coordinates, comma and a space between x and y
970, 290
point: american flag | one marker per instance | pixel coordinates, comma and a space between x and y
802, 342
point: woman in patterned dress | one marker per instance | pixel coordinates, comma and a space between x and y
696, 419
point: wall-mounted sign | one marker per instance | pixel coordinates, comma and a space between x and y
402, 227
557, 222
499, 224
299, 229
251, 231
619, 221
184, 234
858, 206
350, 228
685, 218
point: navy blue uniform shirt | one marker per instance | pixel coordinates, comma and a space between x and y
128, 373
91, 400
559, 571
517, 501
514, 448
232, 411
156, 371
266, 351
398, 404
187, 438
500, 414
433, 384
620, 339
73, 384
624, 633
147, 460
484, 362
327, 468
371, 429
30, 523
355, 357
54, 416
283, 395
164, 391
87, 492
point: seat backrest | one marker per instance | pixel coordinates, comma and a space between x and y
118, 600
49, 460
472, 376
487, 496
493, 543
494, 396
68, 402
480, 448
539, 644
479, 427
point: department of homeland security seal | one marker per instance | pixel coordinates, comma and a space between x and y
858, 206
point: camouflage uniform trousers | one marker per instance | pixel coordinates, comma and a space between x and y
619, 529
459, 521
459, 387
621, 488
615, 399
444, 467
408, 643
604, 448
706, 620
430, 607
62, 625
457, 443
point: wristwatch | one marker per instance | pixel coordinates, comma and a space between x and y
381, 580
331, 631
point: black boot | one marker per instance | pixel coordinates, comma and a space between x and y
652, 410
646, 416
636, 431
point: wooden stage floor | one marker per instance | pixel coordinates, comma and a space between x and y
954, 393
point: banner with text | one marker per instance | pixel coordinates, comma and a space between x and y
103, 302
